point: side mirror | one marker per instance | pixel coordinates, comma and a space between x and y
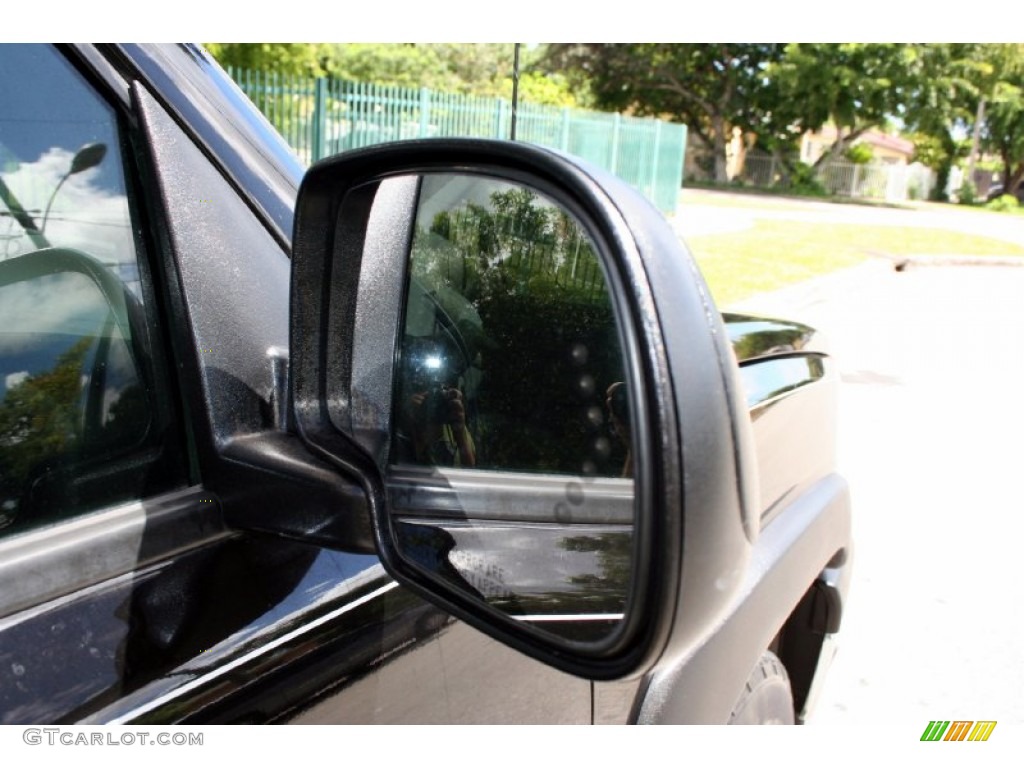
474, 337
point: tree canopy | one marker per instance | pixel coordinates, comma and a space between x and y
479, 69
775, 92
308, 59
1002, 130
711, 87
944, 95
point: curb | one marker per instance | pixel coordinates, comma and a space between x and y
952, 260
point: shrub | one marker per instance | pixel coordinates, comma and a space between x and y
803, 181
967, 194
859, 154
1003, 204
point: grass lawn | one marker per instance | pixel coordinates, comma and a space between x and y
773, 254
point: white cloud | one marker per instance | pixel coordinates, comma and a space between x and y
83, 215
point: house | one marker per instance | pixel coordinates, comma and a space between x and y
885, 148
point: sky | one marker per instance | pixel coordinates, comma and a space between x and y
472, 21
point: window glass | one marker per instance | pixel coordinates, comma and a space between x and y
80, 421
510, 356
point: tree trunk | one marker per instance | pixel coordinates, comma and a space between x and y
840, 145
945, 168
718, 126
1013, 178
975, 139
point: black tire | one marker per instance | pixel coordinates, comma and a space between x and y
767, 698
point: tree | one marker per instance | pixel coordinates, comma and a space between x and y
479, 69
948, 78
40, 423
308, 59
853, 86
711, 87
521, 288
1003, 129
390, 64
774, 91
968, 89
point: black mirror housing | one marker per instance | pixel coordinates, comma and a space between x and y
354, 232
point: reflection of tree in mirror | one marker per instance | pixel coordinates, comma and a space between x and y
55, 420
517, 244
767, 337
615, 556
40, 420
532, 306
588, 587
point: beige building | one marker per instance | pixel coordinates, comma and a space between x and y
885, 148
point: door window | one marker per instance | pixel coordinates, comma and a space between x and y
81, 422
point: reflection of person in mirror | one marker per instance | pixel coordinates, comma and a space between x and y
617, 403
435, 428
432, 418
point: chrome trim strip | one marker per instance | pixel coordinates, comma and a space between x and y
770, 379
538, 617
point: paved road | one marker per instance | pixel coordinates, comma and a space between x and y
932, 420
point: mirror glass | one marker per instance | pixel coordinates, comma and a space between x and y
510, 473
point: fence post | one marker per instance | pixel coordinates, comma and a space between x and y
320, 119
501, 115
566, 120
616, 123
682, 159
853, 184
653, 193
424, 112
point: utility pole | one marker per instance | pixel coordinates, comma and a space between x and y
515, 90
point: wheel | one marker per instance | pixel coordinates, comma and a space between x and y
767, 698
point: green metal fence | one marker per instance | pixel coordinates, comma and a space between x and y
321, 116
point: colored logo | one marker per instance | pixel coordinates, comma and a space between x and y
958, 730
